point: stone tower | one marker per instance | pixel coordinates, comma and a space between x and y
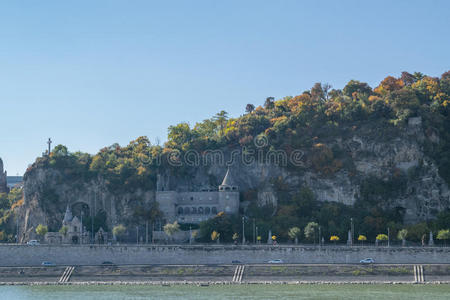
229, 194
3, 184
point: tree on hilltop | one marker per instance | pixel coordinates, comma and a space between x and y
249, 108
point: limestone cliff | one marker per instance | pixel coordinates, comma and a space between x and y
357, 161
47, 193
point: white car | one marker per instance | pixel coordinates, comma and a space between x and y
33, 242
275, 261
367, 261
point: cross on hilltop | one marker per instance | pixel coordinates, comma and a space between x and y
49, 142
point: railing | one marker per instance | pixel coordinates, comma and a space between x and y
232, 245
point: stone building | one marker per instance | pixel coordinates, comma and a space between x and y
194, 207
74, 235
3, 175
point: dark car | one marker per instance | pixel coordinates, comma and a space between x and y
108, 263
236, 262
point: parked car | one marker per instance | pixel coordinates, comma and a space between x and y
275, 261
33, 242
236, 262
108, 263
367, 261
48, 264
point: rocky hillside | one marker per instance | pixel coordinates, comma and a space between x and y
380, 156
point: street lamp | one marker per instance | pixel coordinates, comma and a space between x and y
243, 231
254, 237
389, 236
82, 224
320, 236
352, 230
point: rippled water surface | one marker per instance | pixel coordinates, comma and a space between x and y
384, 292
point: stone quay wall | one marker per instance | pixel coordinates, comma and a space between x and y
26, 255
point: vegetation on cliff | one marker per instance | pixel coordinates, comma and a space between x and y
8, 202
306, 121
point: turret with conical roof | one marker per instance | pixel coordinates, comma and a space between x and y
227, 183
68, 215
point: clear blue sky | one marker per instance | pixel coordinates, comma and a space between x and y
92, 73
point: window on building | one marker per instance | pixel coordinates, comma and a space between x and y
186, 211
200, 210
214, 210
180, 210
194, 210
207, 210
192, 198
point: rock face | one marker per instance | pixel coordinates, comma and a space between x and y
3, 176
47, 194
357, 162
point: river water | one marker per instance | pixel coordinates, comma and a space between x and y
278, 292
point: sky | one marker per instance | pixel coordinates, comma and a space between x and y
92, 73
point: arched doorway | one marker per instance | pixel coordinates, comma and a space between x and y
81, 209
75, 239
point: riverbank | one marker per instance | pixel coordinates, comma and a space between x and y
212, 283
225, 274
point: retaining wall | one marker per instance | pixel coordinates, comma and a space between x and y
25, 255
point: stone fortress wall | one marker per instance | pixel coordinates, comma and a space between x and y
197, 206
25, 255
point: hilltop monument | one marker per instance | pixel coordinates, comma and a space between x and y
3, 183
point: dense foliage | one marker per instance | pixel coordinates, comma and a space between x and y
307, 121
8, 202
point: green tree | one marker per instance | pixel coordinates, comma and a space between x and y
41, 230
443, 235
249, 108
119, 231
63, 230
179, 135
294, 234
221, 119
311, 230
356, 86
269, 103
171, 229
317, 92
402, 234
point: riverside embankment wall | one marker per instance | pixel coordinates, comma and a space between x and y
24, 255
